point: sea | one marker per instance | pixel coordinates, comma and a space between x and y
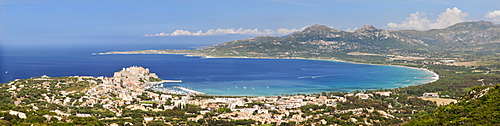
212, 76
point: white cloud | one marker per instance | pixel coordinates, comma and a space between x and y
416, 20
494, 16
280, 31
284, 31
419, 21
351, 29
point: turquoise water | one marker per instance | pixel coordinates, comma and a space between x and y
213, 76
268, 77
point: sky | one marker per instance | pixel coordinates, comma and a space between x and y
207, 22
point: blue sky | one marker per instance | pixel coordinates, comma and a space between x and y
97, 21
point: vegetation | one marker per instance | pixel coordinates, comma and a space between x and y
479, 107
403, 104
454, 81
471, 84
152, 79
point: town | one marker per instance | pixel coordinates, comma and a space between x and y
131, 90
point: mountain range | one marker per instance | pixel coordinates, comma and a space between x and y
466, 40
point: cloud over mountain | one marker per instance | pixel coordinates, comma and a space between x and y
280, 31
419, 21
494, 16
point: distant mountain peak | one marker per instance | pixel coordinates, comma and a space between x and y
316, 26
371, 31
369, 28
315, 32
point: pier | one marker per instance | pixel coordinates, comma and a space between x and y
189, 90
172, 81
166, 81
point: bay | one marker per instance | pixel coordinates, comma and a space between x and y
213, 76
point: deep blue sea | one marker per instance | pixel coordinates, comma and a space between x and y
213, 76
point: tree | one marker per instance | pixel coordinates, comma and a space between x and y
223, 110
35, 119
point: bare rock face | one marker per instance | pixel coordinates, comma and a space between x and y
369, 31
316, 32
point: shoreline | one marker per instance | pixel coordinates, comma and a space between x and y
435, 75
434, 78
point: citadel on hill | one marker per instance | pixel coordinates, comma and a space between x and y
132, 77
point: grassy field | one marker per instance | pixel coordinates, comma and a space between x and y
476, 63
440, 101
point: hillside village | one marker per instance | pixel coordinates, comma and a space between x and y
112, 99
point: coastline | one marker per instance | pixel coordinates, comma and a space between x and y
435, 75
434, 78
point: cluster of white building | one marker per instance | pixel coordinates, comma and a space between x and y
127, 87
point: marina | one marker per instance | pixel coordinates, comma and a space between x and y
166, 81
158, 86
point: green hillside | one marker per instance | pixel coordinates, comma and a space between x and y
479, 107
